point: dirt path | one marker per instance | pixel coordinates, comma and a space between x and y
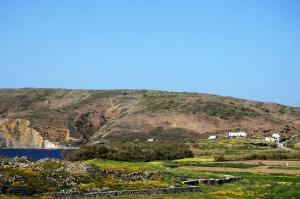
260, 169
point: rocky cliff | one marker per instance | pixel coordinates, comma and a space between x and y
49, 118
16, 133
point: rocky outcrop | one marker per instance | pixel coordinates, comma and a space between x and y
21, 191
17, 162
55, 134
17, 133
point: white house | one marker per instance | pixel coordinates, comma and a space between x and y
274, 138
269, 139
150, 140
237, 134
212, 137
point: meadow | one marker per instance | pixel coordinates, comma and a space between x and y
207, 153
106, 175
253, 185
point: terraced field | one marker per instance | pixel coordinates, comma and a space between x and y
254, 184
265, 179
260, 169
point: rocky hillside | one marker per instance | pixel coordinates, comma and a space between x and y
49, 118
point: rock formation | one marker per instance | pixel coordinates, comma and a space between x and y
15, 133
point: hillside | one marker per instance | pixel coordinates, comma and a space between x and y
46, 118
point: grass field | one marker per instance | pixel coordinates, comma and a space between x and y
210, 164
253, 185
256, 182
228, 149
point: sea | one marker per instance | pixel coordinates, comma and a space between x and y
33, 153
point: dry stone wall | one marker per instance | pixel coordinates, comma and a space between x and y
69, 195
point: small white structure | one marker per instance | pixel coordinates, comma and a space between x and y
150, 140
237, 134
269, 139
274, 138
212, 137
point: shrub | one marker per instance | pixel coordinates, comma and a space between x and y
132, 152
86, 152
297, 146
219, 158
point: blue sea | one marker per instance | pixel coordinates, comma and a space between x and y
33, 153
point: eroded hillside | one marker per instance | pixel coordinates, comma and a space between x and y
72, 117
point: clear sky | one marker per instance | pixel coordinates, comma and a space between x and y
243, 48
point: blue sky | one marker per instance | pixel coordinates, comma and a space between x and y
248, 49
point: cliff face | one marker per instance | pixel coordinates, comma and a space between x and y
53, 118
16, 134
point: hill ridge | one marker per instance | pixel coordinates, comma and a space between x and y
131, 114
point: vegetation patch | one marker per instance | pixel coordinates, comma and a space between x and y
227, 149
148, 151
196, 105
213, 164
159, 133
267, 156
297, 146
285, 167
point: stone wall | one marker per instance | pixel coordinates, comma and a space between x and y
212, 181
22, 191
70, 195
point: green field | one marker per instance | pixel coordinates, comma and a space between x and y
227, 149
170, 173
252, 186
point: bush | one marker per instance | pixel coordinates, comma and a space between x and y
297, 146
219, 158
132, 152
86, 152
